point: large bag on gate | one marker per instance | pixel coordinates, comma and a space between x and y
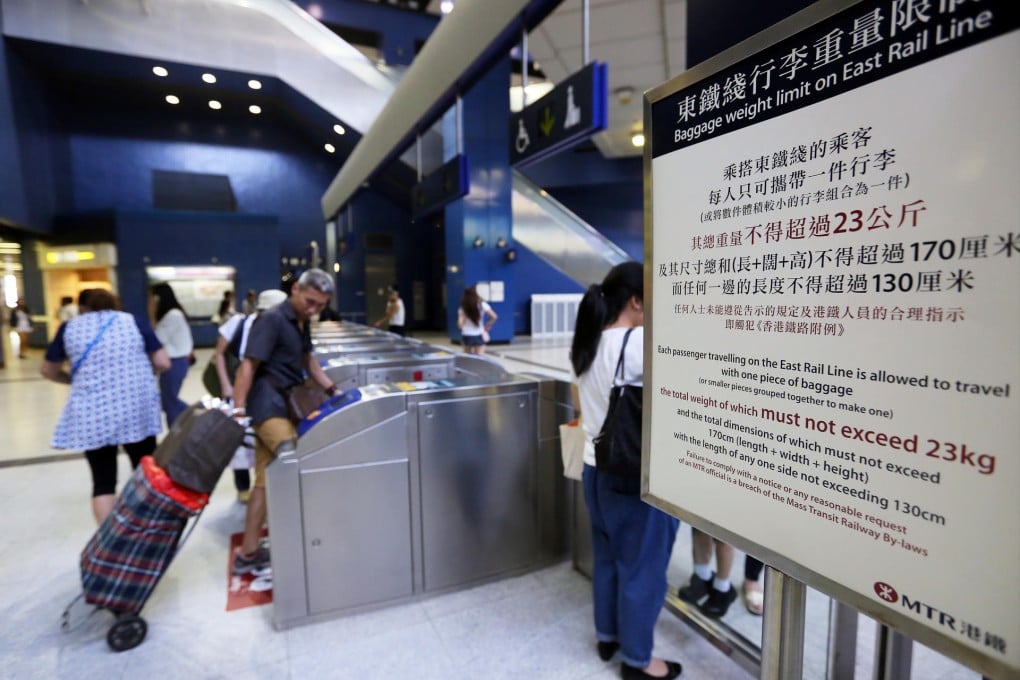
199, 447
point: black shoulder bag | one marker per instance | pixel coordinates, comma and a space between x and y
618, 444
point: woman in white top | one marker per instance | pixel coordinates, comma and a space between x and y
474, 331
394, 317
172, 329
631, 540
21, 322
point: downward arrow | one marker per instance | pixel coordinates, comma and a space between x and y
548, 122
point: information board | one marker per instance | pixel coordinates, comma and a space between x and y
833, 273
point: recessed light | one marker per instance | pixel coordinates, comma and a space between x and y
446, 6
255, 108
209, 78
215, 105
330, 148
160, 71
254, 84
339, 129
173, 99
637, 139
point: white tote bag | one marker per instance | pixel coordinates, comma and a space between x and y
572, 449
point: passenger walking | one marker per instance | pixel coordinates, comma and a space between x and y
114, 400
231, 342
394, 316
21, 322
173, 331
631, 540
471, 321
278, 353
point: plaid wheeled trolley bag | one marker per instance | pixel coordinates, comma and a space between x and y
133, 547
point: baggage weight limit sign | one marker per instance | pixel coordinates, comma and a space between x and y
834, 345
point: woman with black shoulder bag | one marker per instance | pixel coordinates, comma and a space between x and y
631, 540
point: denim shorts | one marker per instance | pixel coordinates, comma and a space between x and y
472, 340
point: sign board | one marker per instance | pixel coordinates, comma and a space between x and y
570, 112
199, 289
78, 256
448, 183
833, 362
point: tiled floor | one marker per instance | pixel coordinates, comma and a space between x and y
533, 626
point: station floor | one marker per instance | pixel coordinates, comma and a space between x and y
534, 626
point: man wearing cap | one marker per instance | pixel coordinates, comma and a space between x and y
278, 353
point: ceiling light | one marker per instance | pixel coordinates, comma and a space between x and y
209, 78
255, 108
339, 129
330, 148
215, 105
637, 139
173, 99
624, 95
254, 84
160, 71
446, 6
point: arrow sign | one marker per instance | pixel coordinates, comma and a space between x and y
573, 110
547, 123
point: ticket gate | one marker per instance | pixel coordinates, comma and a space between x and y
429, 363
334, 349
408, 489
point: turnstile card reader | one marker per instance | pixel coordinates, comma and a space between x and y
355, 371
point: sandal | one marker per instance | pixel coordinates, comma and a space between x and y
754, 601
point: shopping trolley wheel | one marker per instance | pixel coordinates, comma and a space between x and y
127, 633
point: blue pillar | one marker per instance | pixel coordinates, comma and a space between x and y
485, 213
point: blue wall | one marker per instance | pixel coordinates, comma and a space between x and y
35, 167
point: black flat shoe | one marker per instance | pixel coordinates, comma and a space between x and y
718, 602
673, 670
607, 649
697, 589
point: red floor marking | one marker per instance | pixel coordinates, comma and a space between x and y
248, 590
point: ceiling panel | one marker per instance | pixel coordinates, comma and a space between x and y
626, 20
644, 50
675, 25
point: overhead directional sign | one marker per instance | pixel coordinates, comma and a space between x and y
573, 110
448, 183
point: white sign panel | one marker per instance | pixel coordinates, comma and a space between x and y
835, 340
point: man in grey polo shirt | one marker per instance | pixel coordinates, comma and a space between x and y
278, 353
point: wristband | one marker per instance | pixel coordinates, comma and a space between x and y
239, 411
332, 390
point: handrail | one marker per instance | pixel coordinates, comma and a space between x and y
559, 237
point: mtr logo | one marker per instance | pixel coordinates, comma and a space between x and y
970, 631
887, 593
